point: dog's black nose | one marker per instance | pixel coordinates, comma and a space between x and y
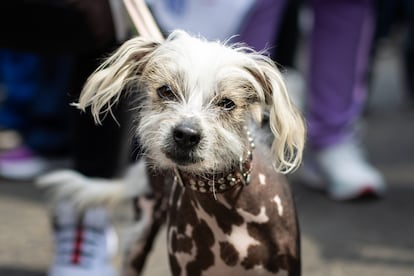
186, 135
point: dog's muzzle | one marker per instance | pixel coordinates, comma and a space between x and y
184, 141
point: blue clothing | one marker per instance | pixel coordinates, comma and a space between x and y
35, 100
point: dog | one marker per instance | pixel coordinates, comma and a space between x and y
208, 168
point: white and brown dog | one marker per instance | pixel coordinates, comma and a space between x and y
199, 109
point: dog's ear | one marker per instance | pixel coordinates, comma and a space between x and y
286, 122
103, 88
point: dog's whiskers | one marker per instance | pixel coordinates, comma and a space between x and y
134, 108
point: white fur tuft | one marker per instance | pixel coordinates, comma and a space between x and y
84, 191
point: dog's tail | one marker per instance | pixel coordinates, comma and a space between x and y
85, 192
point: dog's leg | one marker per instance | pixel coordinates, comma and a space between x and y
151, 211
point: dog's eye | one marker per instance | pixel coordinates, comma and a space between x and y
226, 104
165, 92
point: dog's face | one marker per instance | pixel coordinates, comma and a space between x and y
195, 100
198, 98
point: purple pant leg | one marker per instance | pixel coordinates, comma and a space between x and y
339, 53
262, 24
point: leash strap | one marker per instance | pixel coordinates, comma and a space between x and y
142, 19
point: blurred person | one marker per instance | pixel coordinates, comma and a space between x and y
340, 42
35, 106
88, 30
391, 14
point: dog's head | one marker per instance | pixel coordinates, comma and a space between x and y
195, 99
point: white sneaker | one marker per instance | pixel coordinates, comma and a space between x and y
81, 245
346, 173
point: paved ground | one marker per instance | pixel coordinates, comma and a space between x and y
356, 238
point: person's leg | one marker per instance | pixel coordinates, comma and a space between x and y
262, 24
340, 44
409, 50
339, 56
34, 107
98, 151
386, 14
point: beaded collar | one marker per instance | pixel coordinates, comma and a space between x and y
220, 182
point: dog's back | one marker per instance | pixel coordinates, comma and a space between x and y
248, 230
